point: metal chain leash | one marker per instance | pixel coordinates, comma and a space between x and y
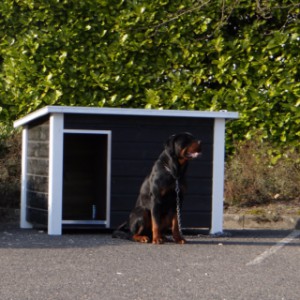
177, 190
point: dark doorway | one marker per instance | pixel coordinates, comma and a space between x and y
86, 176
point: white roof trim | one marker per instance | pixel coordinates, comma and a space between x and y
123, 111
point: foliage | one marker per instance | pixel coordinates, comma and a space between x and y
10, 171
239, 55
251, 179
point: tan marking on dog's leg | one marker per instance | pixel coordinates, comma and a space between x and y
175, 231
156, 235
141, 238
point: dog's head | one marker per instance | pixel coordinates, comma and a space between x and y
183, 146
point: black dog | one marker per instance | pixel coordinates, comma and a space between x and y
155, 210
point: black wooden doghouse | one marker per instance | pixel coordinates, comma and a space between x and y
84, 166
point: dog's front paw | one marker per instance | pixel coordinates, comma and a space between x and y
180, 240
144, 239
158, 240
141, 238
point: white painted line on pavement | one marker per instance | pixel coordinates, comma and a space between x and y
274, 248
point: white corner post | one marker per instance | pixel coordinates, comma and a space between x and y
23, 222
55, 174
218, 176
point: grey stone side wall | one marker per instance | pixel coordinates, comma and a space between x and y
37, 172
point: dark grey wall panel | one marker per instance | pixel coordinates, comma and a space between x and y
37, 216
202, 219
37, 183
37, 200
136, 144
37, 171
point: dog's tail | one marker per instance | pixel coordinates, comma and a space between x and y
122, 232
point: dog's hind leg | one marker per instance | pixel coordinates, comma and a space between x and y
140, 225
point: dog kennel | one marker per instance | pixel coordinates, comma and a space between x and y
83, 166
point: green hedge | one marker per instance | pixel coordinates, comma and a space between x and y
178, 54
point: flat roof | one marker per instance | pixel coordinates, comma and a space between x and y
223, 114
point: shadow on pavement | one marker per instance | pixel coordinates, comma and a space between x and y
11, 236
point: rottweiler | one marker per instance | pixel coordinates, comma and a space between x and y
156, 207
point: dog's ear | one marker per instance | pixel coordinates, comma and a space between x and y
169, 145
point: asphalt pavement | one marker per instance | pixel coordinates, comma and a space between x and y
242, 264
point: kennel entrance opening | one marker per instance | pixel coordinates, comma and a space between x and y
86, 178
